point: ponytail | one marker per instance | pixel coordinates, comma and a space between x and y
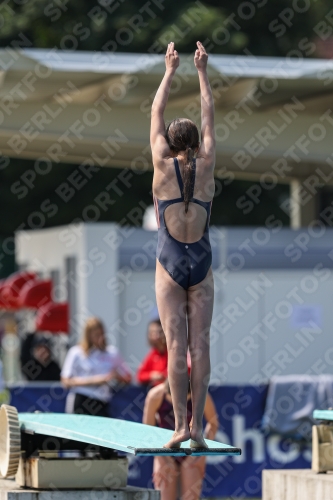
182, 135
188, 177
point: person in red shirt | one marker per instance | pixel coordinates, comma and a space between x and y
153, 369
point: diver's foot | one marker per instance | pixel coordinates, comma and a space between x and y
197, 440
177, 439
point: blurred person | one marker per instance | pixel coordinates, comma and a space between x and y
183, 189
37, 363
167, 471
153, 369
89, 370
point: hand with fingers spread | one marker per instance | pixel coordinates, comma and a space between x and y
200, 57
171, 57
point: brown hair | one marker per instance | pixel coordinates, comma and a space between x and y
91, 324
183, 135
155, 321
158, 323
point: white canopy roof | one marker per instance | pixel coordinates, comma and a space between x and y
69, 106
114, 63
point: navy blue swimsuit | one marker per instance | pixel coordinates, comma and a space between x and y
187, 263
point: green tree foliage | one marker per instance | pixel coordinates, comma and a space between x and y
260, 27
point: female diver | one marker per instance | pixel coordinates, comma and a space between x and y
183, 188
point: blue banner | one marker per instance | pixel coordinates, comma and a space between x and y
240, 410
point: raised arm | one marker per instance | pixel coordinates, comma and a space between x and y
207, 147
152, 403
158, 143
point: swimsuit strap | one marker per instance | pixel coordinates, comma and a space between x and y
179, 177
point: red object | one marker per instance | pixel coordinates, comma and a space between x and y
10, 289
155, 361
53, 317
35, 293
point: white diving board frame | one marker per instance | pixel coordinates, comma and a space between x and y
322, 441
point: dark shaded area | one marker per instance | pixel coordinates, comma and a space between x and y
34, 196
31, 443
326, 204
7, 257
259, 27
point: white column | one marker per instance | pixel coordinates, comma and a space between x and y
303, 205
99, 272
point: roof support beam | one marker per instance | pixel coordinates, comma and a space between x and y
303, 205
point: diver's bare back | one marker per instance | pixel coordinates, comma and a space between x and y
185, 227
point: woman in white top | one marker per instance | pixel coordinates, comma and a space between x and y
90, 367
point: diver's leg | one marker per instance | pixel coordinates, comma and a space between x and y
172, 306
200, 310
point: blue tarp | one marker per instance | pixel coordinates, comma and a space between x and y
240, 410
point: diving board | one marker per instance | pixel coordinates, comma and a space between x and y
322, 441
323, 415
122, 435
41, 449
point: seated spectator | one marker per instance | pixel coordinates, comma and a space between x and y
153, 369
37, 363
89, 370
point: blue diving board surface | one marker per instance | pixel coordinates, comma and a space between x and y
323, 414
122, 435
